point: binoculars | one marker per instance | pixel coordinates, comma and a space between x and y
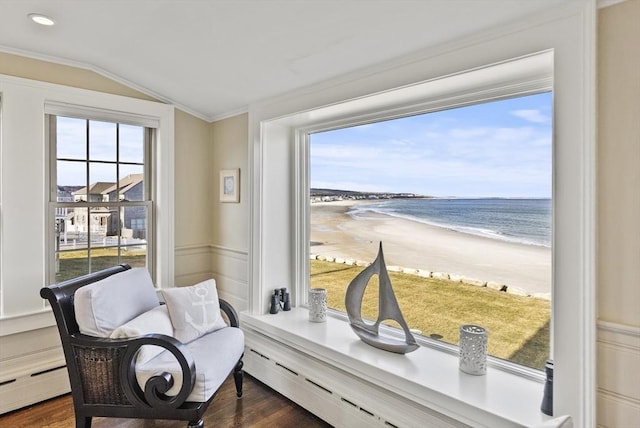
280, 300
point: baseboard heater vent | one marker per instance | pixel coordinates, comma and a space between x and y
355, 409
344, 400
319, 386
47, 371
7, 382
366, 411
287, 369
258, 353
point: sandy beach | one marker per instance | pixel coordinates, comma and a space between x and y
416, 245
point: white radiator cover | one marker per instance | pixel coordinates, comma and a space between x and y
326, 369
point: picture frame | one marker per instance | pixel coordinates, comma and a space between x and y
230, 185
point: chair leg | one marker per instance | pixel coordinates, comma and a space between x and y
83, 422
238, 374
196, 424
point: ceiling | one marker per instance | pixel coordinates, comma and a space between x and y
213, 58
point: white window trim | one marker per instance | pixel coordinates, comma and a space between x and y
87, 114
24, 159
570, 33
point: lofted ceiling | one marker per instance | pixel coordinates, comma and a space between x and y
213, 58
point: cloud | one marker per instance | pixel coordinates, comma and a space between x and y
478, 151
531, 115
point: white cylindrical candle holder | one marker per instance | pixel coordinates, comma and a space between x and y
473, 349
317, 305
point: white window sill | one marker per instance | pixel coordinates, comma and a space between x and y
428, 377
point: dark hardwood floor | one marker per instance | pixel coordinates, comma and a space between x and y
260, 406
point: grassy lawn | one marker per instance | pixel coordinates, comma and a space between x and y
518, 326
75, 263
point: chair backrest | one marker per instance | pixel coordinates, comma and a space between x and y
61, 297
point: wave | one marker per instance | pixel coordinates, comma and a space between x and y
388, 209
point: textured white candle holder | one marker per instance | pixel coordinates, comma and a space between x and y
317, 305
473, 349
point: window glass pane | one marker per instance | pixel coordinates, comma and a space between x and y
134, 221
65, 224
71, 228
102, 141
71, 138
102, 179
132, 183
71, 179
71, 265
102, 258
134, 256
99, 225
131, 144
461, 201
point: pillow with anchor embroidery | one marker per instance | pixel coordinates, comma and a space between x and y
194, 310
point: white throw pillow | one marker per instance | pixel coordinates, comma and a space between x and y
105, 305
154, 321
194, 310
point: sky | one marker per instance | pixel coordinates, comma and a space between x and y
497, 149
71, 144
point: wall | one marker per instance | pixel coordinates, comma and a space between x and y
230, 220
618, 213
193, 199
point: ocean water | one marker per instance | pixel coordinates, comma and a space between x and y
526, 221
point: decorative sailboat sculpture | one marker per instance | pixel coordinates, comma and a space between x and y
388, 309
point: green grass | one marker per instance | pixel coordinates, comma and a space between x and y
518, 326
75, 263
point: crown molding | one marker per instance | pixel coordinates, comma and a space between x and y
229, 114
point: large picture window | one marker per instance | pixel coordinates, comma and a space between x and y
461, 200
101, 195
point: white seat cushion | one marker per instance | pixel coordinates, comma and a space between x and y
215, 355
107, 304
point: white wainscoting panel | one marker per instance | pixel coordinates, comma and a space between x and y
618, 375
192, 264
229, 268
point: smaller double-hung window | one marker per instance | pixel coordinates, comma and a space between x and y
101, 199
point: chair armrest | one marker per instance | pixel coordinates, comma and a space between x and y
234, 321
120, 357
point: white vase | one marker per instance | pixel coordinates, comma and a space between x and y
317, 305
473, 349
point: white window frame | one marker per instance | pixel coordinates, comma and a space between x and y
276, 252
150, 127
24, 165
538, 79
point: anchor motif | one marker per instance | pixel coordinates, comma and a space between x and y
205, 326
388, 309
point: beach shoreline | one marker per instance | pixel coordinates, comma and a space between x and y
337, 234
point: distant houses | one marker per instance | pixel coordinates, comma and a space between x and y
100, 222
332, 195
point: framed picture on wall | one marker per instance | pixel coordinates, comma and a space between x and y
230, 185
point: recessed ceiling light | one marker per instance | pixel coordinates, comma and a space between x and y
41, 19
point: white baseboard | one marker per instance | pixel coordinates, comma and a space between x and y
31, 378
